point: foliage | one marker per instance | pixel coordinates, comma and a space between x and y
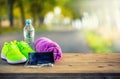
3, 7
97, 43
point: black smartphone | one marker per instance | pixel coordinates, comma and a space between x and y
40, 58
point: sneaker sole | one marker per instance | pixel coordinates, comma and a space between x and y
13, 62
3, 57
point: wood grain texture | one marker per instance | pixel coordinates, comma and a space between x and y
73, 63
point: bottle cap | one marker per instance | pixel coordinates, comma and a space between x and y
28, 21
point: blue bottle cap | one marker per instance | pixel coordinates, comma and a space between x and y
28, 21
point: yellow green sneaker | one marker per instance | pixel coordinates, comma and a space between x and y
24, 48
11, 53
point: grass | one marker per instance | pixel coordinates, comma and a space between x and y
97, 43
42, 28
4, 30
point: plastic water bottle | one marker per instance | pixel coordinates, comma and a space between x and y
29, 33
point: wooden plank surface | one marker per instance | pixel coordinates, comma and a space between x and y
72, 63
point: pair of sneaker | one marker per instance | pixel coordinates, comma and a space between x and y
16, 52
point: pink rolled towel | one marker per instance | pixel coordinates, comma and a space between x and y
44, 44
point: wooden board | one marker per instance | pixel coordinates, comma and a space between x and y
72, 63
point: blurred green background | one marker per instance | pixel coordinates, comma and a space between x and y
98, 20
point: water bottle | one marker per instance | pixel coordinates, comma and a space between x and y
29, 33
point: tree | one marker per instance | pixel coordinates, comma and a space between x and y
20, 3
73, 7
3, 10
39, 8
10, 4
